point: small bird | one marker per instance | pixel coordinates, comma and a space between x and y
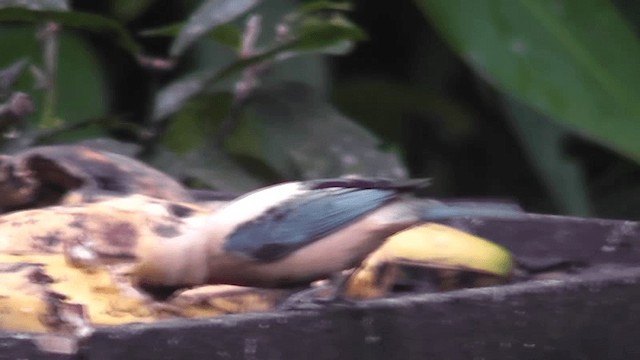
293, 233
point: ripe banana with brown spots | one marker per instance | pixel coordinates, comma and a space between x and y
66, 269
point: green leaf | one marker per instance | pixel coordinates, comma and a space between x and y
127, 10
312, 7
382, 105
574, 61
170, 98
81, 86
543, 142
196, 122
162, 31
77, 20
226, 34
216, 169
9, 76
211, 166
209, 15
333, 35
301, 135
173, 96
325, 31
36, 4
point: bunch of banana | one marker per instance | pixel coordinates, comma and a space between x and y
82, 256
66, 269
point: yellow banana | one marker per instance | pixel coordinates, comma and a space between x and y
114, 229
65, 269
42, 293
433, 246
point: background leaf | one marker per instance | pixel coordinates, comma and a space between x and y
311, 7
381, 105
331, 36
561, 69
543, 141
81, 86
173, 96
210, 14
76, 20
226, 34
36, 4
128, 10
196, 166
197, 122
9, 76
315, 37
557, 57
301, 135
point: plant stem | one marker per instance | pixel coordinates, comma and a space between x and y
246, 84
49, 37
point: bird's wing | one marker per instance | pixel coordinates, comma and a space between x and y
408, 185
303, 220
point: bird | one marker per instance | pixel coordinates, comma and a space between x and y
291, 234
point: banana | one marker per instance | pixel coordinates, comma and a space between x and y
212, 300
44, 175
42, 293
67, 269
39, 293
445, 250
114, 229
22, 300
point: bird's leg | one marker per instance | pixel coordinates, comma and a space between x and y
306, 299
340, 281
313, 299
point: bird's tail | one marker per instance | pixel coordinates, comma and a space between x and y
432, 210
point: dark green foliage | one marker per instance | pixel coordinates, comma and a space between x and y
500, 98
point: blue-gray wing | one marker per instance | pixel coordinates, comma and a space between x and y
304, 220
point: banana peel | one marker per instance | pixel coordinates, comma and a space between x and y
435, 247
